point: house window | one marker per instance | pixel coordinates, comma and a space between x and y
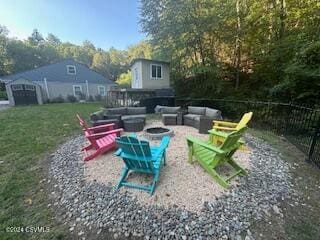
17, 87
30, 87
77, 90
102, 90
156, 71
71, 69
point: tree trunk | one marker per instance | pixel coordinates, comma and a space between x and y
282, 17
238, 44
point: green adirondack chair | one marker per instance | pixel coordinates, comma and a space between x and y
210, 156
138, 156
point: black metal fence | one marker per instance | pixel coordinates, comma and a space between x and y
300, 125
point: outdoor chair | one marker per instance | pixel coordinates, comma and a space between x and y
231, 126
100, 143
97, 129
139, 156
212, 157
222, 128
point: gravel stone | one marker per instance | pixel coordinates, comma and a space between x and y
99, 206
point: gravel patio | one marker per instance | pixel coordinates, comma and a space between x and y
187, 204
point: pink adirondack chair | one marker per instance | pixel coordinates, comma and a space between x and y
101, 139
100, 143
98, 129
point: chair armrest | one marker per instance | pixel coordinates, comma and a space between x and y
118, 152
224, 128
163, 145
224, 123
218, 133
164, 142
103, 134
204, 144
101, 127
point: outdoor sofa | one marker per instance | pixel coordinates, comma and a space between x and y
117, 115
201, 118
171, 115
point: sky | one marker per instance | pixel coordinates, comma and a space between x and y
106, 23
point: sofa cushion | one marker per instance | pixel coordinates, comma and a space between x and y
197, 110
117, 111
169, 115
126, 117
196, 118
170, 110
191, 116
108, 117
136, 110
196, 122
97, 115
213, 113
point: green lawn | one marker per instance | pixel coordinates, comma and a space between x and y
27, 134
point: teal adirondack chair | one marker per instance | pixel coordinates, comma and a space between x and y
138, 156
210, 156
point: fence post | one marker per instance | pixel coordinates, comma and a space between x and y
314, 141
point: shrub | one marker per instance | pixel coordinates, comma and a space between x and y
91, 99
59, 99
3, 95
82, 96
98, 98
71, 98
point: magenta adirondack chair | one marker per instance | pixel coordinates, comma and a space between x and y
101, 139
100, 143
98, 129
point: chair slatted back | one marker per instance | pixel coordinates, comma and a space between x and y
83, 124
137, 153
244, 120
232, 139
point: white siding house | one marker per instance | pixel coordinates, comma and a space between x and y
150, 74
60, 79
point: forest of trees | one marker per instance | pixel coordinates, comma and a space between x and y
20, 55
240, 49
244, 49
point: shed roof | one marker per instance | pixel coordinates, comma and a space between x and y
57, 72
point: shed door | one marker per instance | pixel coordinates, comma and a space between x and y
24, 94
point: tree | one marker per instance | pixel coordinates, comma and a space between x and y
124, 80
53, 40
4, 30
142, 49
35, 38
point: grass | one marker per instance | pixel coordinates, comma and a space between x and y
27, 134
301, 221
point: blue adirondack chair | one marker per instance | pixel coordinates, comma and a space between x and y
139, 156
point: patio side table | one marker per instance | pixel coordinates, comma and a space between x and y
133, 125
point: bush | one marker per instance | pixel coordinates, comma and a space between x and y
59, 99
90, 99
98, 98
3, 95
82, 96
71, 98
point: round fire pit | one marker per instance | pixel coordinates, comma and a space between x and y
158, 132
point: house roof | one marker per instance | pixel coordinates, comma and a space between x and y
57, 72
147, 60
